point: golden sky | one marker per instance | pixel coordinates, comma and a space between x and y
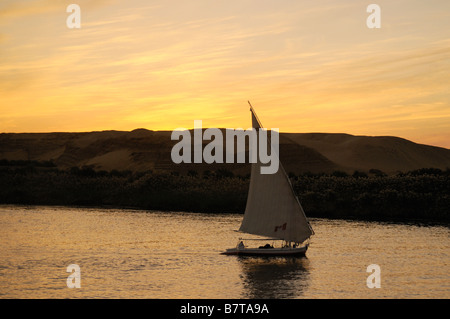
306, 66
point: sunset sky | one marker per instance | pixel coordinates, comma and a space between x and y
306, 66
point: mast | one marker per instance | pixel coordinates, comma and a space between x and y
254, 114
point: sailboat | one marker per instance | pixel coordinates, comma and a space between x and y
274, 212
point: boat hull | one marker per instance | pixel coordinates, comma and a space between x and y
286, 251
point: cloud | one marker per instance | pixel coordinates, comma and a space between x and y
306, 66
16, 9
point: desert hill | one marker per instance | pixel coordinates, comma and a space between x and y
142, 150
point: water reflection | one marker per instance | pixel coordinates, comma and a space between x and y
274, 278
127, 254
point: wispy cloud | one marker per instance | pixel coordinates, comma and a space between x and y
17, 9
308, 66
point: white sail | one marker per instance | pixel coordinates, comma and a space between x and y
272, 208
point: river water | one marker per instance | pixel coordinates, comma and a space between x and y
160, 255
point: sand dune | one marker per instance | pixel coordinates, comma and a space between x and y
387, 153
142, 149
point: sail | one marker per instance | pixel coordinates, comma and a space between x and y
272, 208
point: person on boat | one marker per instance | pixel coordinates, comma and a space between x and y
241, 245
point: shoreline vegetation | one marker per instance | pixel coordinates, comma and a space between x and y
422, 195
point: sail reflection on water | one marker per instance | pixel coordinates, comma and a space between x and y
269, 278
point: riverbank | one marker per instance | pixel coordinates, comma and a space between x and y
419, 195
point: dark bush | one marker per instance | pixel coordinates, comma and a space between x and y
422, 194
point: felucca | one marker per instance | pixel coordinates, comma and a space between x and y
274, 212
